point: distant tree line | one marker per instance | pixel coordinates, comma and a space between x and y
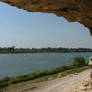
61, 49
7, 48
42, 50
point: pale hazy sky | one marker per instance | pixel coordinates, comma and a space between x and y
25, 29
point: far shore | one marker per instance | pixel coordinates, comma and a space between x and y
44, 52
12, 50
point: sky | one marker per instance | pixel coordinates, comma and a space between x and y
36, 30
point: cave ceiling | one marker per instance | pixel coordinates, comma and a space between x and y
72, 10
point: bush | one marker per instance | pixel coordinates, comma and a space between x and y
79, 61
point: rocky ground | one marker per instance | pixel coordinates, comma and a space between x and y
84, 86
72, 83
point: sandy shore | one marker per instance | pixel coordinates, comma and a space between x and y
65, 84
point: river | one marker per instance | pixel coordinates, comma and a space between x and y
19, 64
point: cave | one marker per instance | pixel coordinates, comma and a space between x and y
72, 10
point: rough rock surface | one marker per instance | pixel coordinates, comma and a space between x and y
72, 10
84, 86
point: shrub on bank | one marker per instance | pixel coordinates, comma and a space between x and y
79, 61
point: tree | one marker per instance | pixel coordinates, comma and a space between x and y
79, 61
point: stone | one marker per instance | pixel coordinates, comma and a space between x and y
84, 86
60, 75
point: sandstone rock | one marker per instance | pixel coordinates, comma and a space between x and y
61, 75
72, 10
84, 86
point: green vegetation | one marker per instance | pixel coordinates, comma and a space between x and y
7, 81
78, 65
79, 61
42, 50
64, 69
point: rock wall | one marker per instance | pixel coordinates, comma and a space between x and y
72, 10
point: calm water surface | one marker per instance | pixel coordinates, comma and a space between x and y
19, 64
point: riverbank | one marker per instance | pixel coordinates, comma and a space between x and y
64, 84
41, 76
43, 50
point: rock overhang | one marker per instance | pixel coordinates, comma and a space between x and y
72, 10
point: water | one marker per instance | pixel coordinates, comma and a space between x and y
19, 64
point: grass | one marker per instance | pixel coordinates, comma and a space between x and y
8, 81
41, 76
